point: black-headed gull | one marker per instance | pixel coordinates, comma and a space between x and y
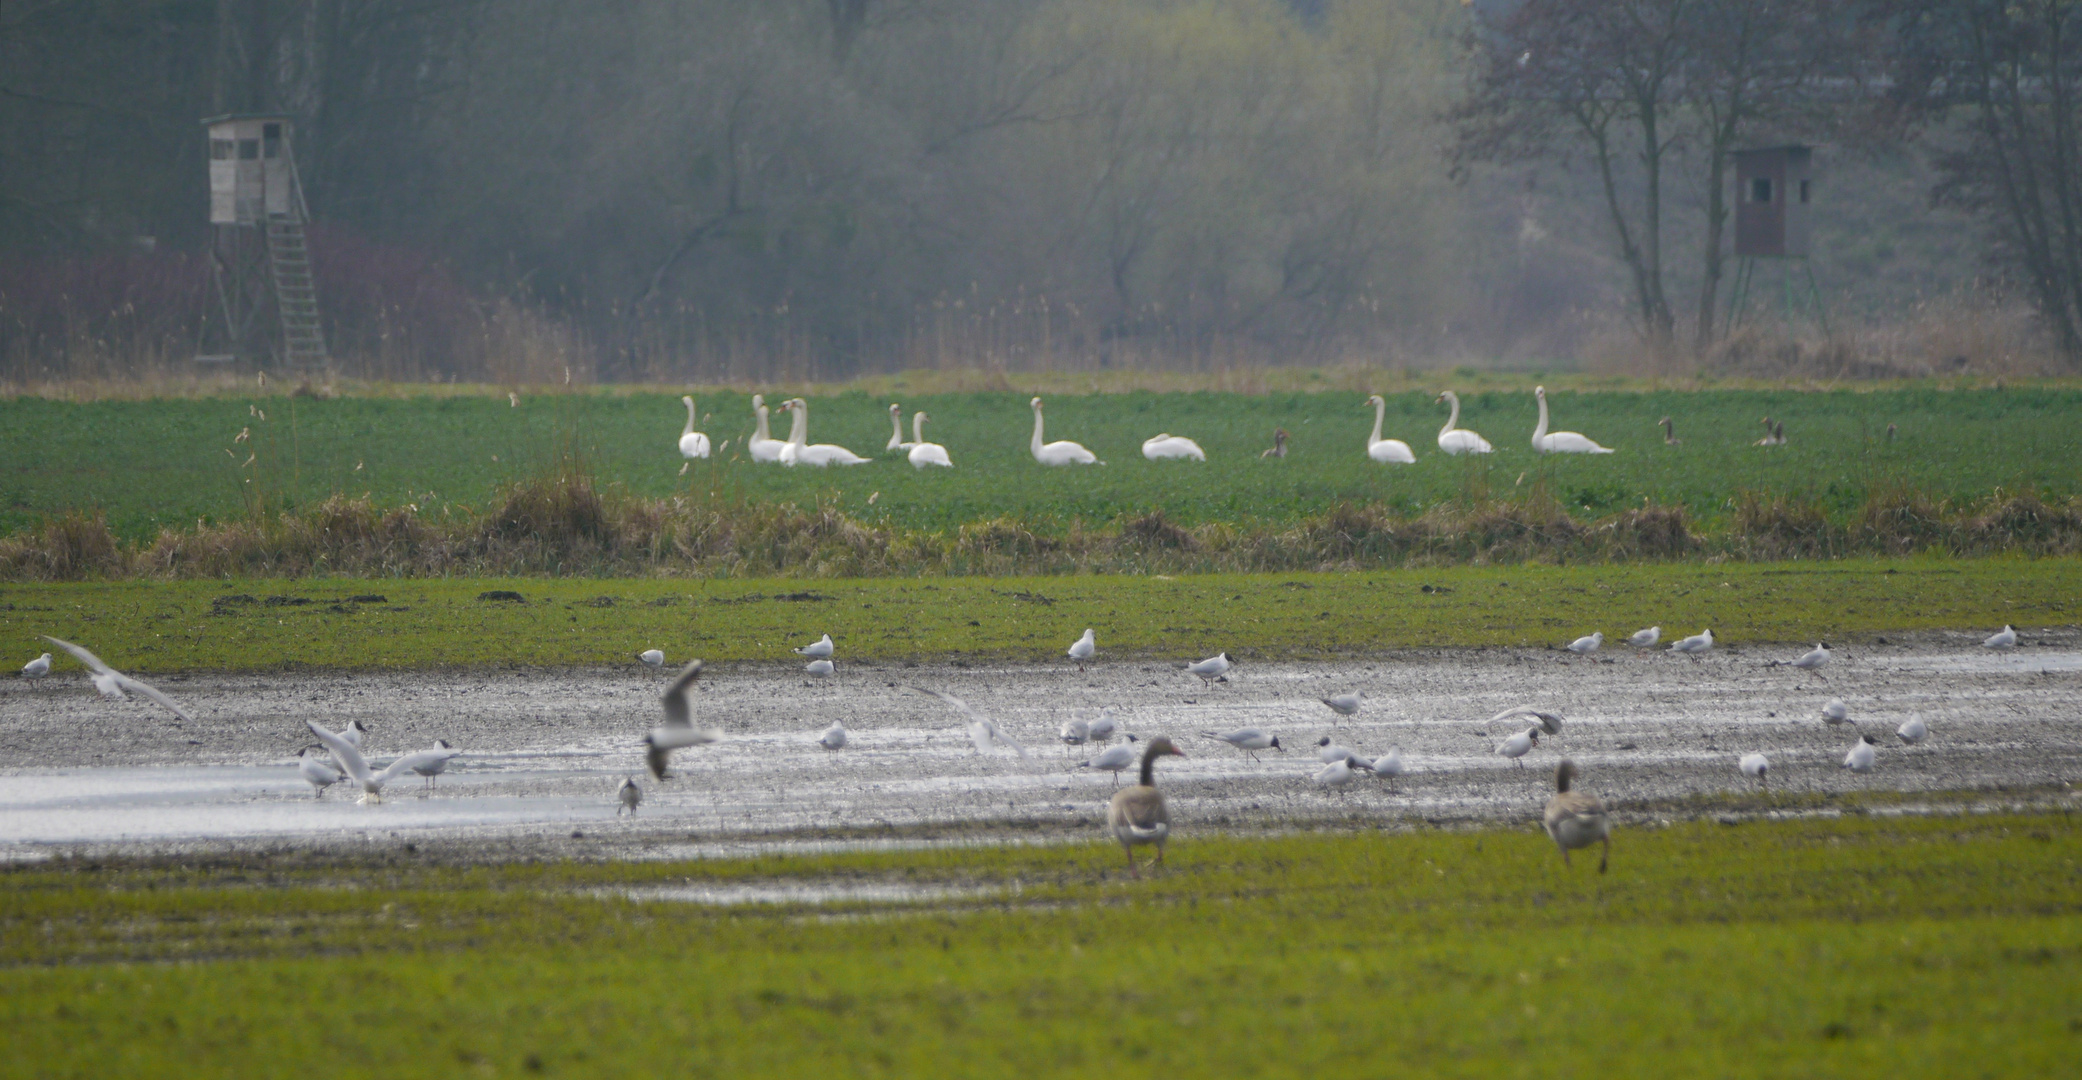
1815, 657
1212, 668
1550, 722
1642, 639
1860, 759
1388, 766
2006, 638
353, 732
1696, 644
1336, 774
1345, 704
1114, 759
1082, 649
37, 668
629, 795
1250, 740
316, 772
1519, 745
1588, 643
834, 737
819, 668
818, 649
1576, 819
1074, 732
678, 731
1138, 814
357, 767
983, 731
1912, 730
1756, 765
431, 762
113, 683
1104, 728
1328, 751
1835, 712
652, 657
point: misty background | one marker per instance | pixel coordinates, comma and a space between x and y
716, 191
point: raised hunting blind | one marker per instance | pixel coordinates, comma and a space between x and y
1774, 194
266, 299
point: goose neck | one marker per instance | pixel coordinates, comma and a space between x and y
1149, 767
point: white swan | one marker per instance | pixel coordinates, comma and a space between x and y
1452, 438
896, 435
693, 444
925, 454
1169, 447
1386, 451
817, 454
763, 445
1560, 442
1059, 453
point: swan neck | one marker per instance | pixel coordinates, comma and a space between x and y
763, 434
799, 429
896, 421
1452, 421
690, 418
1380, 410
1540, 432
1037, 429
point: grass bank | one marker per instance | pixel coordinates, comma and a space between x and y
1909, 947
258, 625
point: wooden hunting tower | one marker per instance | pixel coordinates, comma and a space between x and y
258, 256
1772, 190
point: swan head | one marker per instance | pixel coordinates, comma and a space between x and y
894, 408
919, 416
1036, 403
1446, 395
759, 401
1539, 391
1376, 399
687, 400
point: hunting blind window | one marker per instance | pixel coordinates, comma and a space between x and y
220, 149
249, 149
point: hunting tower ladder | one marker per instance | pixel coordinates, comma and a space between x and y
266, 299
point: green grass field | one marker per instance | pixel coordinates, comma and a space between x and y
1941, 947
418, 623
168, 463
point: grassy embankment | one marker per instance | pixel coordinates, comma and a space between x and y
270, 625
1874, 947
171, 463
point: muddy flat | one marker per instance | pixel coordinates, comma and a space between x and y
544, 750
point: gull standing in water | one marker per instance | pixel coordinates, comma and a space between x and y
113, 683
2006, 638
1082, 649
1113, 760
678, 731
1756, 765
652, 657
1576, 819
37, 668
431, 762
1212, 668
1642, 639
315, 772
629, 795
834, 737
354, 765
983, 731
1587, 644
1696, 644
1250, 740
818, 649
1138, 815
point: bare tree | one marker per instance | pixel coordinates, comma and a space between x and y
2012, 71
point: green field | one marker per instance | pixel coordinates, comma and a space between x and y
1854, 947
170, 463
253, 624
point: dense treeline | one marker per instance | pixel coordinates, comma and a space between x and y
714, 189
